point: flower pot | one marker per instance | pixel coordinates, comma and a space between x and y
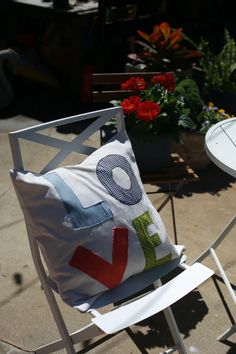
192, 150
151, 153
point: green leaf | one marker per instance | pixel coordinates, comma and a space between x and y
232, 68
187, 122
189, 89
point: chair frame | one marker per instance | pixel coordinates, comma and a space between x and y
160, 299
218, 136
211, 251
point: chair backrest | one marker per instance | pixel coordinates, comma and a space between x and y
106, 86
97, 119
57, 151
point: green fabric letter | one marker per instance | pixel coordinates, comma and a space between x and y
148, 242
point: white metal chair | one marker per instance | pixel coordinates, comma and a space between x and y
130, 312
220, 145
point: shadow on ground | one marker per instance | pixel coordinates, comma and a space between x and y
43, 103
211, 180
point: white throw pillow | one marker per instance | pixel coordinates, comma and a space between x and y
93, 221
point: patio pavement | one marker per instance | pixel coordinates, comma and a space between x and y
202, 209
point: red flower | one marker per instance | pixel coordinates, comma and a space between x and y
148, 110
130, 104
134, 84
167, 80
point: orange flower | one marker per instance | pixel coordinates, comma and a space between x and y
176, 37
154, 37
163, 34
130, 104
134, 84
148, 110
167, 80
166, 47
144, 36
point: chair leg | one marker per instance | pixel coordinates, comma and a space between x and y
84, 334
59, 321
227, 333
218, 240
170, 198
179, 343
224, 276
51, 299
211, 251
232, 329
173, 219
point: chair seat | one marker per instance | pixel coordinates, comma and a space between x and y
134, 284
154, 302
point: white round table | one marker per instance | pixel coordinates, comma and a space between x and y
220, 145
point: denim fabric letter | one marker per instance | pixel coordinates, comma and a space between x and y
78, 216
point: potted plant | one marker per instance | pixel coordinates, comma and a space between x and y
195, 123
217, 73
165, 49
152, 113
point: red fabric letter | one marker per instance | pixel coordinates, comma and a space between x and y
109, 274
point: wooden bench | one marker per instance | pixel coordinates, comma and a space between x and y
106, 86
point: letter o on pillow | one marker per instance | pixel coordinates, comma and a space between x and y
104, 169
